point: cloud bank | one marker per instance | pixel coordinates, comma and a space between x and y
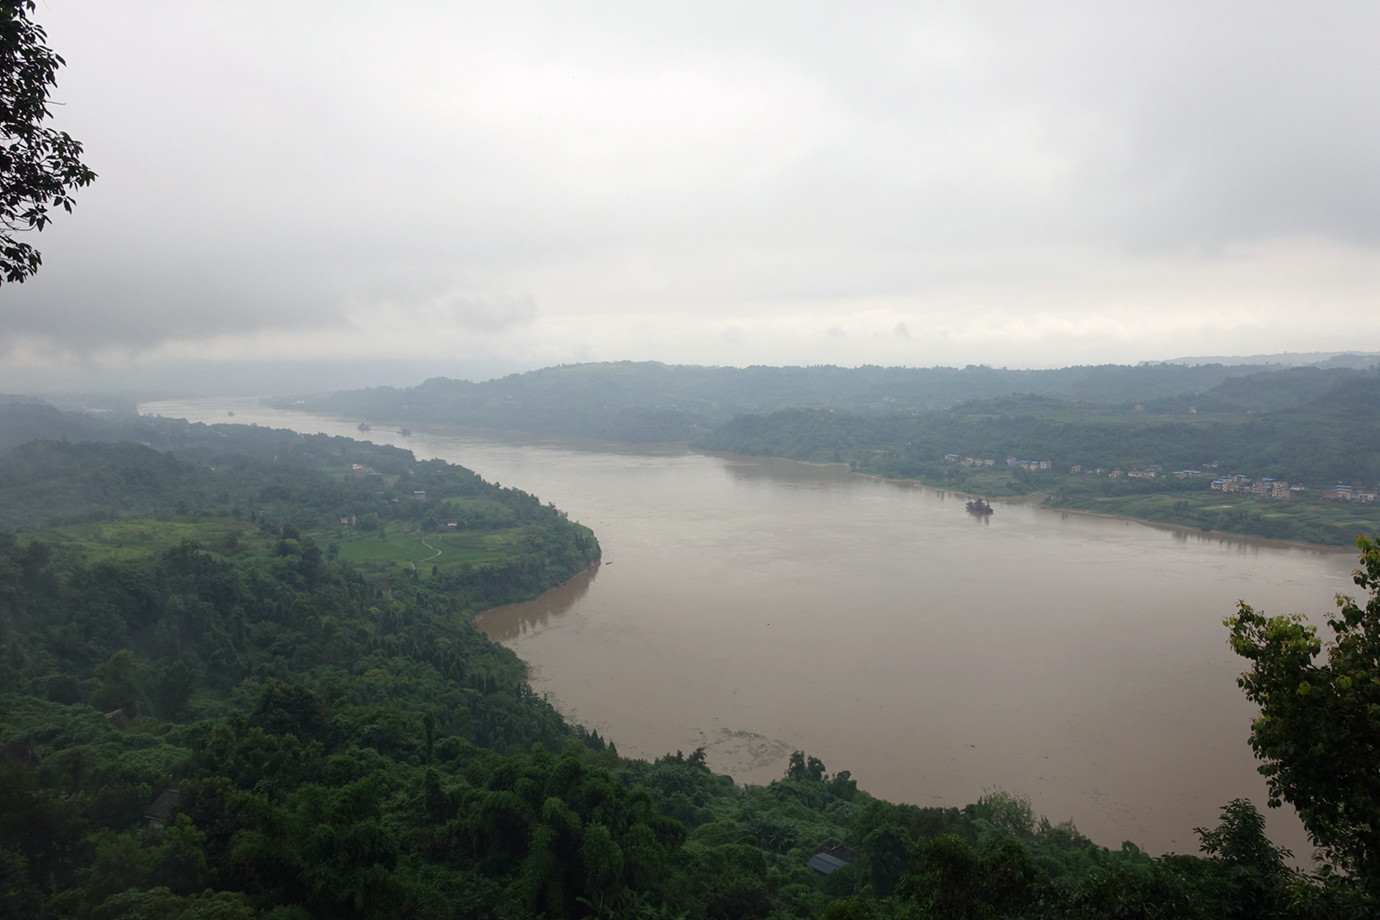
478, 188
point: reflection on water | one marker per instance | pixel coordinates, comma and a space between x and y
754, 607
510, 622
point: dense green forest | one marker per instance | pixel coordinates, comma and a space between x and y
223, 698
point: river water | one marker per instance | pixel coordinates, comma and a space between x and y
754, 607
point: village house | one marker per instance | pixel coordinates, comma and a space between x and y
969, 461
830, 858
1264, 487
160, 809
1350, 493
1268, 487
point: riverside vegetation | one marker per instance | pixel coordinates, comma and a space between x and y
220, 701
1315, 425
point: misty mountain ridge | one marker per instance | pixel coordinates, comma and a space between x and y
651, 401
1357, 360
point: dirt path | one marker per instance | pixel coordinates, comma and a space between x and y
434, 553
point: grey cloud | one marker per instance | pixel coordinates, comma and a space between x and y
1227, 122
489, 314
458, 166
433, 295
117, 297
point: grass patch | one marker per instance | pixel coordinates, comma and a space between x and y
450, 553
394, 546
118, 541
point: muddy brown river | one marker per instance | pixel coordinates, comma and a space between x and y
754, 607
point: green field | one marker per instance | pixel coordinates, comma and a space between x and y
115, 541
391, 547
450, 553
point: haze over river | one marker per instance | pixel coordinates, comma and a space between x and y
754, 607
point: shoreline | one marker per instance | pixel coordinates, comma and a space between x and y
1039, 499
1034, 499
536, 598
1198, 531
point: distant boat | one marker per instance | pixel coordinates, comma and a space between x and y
363, 426
231, 413
405, 432
979, 506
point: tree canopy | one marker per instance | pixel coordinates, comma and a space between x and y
1318, 731
40, 166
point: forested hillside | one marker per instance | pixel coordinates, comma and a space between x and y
224, 695
649, 401
1155, 461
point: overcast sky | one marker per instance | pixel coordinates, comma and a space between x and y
477, 188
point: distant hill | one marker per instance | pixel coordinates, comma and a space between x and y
650, 401
1358, 360
1314, 389
24, 418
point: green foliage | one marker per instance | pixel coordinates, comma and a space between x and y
39, 165
1240, 840
1009, 814
1255, 875
955, 882
1319, 721
163, 904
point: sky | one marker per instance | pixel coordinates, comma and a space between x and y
373, 193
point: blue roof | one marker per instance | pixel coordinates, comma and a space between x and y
823, 863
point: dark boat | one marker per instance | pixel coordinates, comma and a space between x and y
363, 426
979, 506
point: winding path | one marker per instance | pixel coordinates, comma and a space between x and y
434, 553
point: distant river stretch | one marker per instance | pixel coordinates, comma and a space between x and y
754, 607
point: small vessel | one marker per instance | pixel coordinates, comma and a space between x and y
363, 426
979, 506
405, 432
